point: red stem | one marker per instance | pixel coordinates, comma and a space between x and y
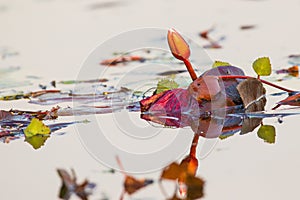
263, 81
190, 69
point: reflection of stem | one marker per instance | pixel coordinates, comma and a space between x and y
121, 166
277, 106
194, 145
122, 195
263, 81
190, 69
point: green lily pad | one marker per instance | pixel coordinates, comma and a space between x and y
262, 66
36, 127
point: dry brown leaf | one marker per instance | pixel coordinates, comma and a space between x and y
252, 93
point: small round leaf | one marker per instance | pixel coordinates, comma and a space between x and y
262, 66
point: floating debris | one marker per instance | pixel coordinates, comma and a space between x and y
247, 27
70, 186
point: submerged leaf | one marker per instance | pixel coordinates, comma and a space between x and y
36, 127
166, 84
267, 133
262, 66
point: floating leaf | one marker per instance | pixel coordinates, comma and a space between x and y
253, 95
267, 133
178, 46
292, 71
204, 34
37, 141
262, 66
247, 27
166, 84
36, 127
67, 82
122, 60
213, 44
220, 63
293, 100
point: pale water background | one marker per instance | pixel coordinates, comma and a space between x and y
53, 37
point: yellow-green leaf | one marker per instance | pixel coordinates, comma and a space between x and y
267, 133
36, 127
166, 84
37, 141
218, 63
262, 66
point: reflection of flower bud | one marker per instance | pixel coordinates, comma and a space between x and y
208, 127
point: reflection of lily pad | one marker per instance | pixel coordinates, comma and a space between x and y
37, 141
267, 133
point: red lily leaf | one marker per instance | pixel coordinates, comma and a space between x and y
179, 48
188, 107
292, 71
293, 100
